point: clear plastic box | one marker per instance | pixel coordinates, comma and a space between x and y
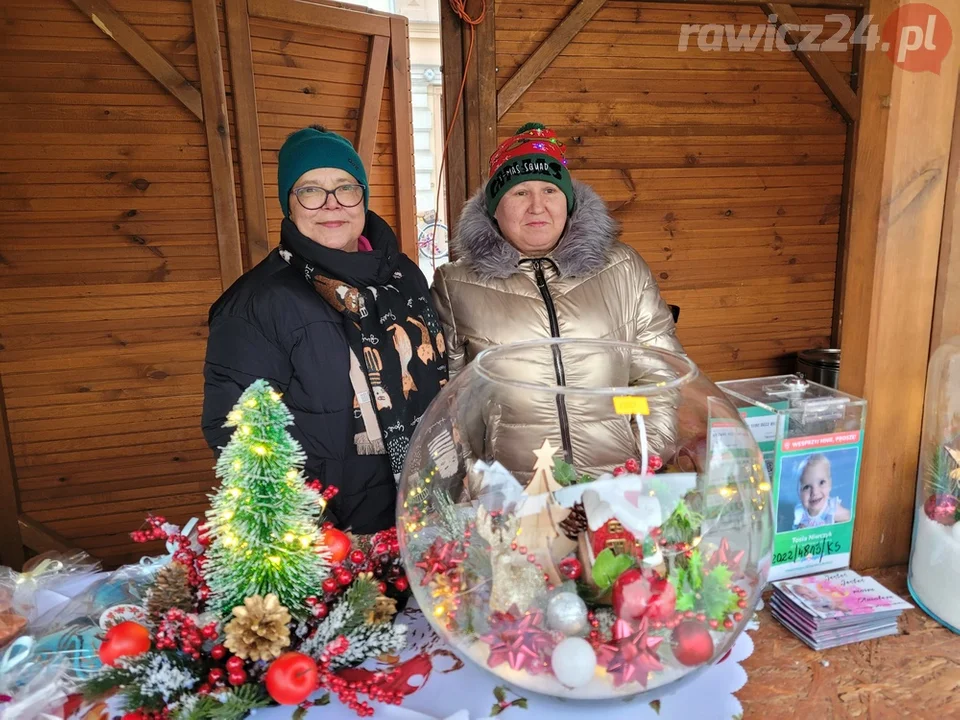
811, 437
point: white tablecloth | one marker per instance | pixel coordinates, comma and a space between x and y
450, 689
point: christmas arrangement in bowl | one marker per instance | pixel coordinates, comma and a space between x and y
585, 519
934, 575
266, 603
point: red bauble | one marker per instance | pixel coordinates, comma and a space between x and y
692, 644
336, 543
329, 585
571, 568
344, 577
291, 678
234, 664
320, 610
237, 678
638, 594
127, 639
942, 509
632, 466
217, 652
357, 557
215, 676
401, 584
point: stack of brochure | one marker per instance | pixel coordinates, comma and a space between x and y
836, 608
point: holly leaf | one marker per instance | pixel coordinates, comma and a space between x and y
608, 567
299, 713
495, 710
718, 599
655, 706
695, 570
686, 596
521, 703
500, 693
564, 473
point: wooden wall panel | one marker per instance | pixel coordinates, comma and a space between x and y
110, 264
725, 168
305, 76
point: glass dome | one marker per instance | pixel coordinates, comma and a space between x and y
585, 519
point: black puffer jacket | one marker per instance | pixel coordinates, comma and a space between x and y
272, 324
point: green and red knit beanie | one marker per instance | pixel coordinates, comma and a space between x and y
533, 153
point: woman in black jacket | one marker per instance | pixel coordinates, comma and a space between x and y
338, 320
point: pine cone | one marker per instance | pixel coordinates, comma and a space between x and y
259, 629
383, 609
171, 589
575, 523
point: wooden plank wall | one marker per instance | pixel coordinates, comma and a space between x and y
725, 168
109, 255
110, 264
305, 76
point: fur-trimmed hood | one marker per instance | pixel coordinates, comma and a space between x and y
590, 233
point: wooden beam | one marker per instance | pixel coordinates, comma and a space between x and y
454, 167
827, 4
218, 139
372, 99
248, 130
475, 170
487, 88
325, 16
115, 27
946, 309
40, 538
817, 63
541, 58
846, 197
403, 136
903, 153
11, 543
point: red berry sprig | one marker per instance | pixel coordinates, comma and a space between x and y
178, 628
154, 530
348, 692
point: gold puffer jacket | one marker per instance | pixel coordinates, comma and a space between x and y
590, 286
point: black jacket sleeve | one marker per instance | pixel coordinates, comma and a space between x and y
237, 355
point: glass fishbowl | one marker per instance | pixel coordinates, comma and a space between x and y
585, 519
934, 574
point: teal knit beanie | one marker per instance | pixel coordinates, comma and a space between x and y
309, 149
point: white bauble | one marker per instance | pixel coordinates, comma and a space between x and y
574, 662
567, 613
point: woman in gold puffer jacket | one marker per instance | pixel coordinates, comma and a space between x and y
538, 257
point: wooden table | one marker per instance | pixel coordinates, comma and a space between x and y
915, 674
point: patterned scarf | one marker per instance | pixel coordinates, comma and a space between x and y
390, 325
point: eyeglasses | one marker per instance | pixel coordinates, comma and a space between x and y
312, 197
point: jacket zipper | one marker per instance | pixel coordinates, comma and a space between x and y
557, 359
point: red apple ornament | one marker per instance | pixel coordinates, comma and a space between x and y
291, 678
638, 594
692, 644
942, 509
126, 639
337, 544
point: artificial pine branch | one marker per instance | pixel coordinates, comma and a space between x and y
937, 474
236, 705
682, 526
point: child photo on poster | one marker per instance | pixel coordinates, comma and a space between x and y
817, 489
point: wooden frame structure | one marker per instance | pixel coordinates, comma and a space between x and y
898, 267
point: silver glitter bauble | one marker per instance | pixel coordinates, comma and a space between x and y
567, 613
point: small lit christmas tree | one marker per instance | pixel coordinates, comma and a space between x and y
263, 519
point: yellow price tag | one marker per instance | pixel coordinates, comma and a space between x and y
631, 405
